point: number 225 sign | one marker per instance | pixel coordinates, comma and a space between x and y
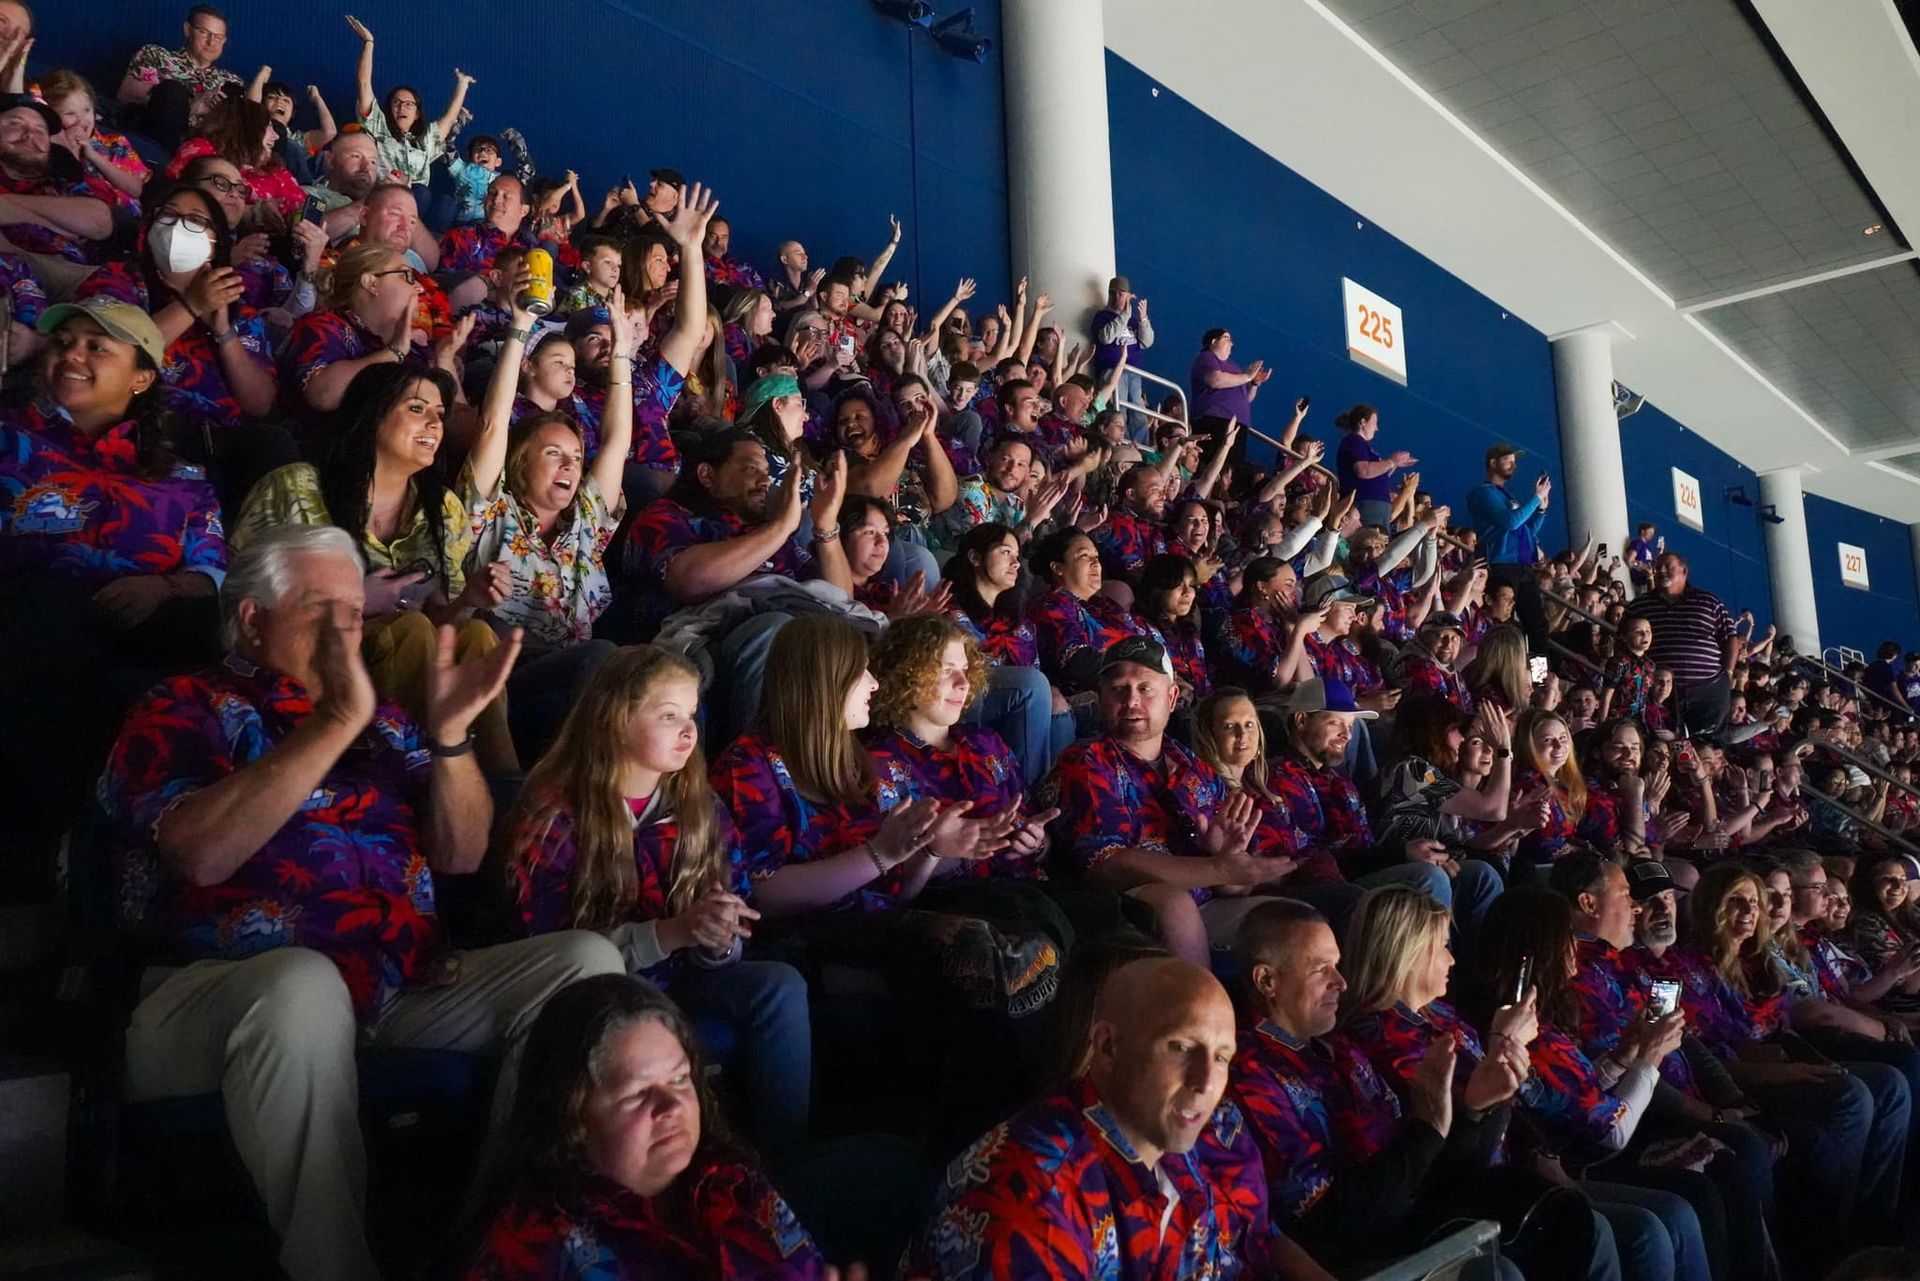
1375, 336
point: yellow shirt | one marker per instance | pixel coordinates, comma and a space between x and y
291, 495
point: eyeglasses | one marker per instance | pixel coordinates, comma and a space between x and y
407, 274
228, 186
207, 33
192, 222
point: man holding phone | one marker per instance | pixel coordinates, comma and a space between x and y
1508, 527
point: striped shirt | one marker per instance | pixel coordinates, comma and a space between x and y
1690, 633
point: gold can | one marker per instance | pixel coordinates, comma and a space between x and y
536, 296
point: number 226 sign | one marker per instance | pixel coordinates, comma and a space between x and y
1375, 336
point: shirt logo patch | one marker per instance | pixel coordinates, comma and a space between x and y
49, 509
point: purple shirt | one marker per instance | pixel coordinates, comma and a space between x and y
197, 386
1356, 449
1219, 402
79, 508
656, 389
1110, 800
345, 875
471, 249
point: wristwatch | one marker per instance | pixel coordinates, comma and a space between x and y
441, 752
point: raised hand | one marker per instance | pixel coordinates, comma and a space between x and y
829, 491
458, 692
913, 597
345, 696
894, 223
1518, 1023
488, 587
687, 225
965, 289
455, 341
463, 79
360, 28
623, 330
1229, 829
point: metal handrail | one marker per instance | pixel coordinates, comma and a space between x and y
1858, 686
1149, 376
1815, 795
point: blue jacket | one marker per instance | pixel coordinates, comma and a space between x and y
1509, 528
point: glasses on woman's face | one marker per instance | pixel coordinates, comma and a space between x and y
228, 186
407, 274
173, 217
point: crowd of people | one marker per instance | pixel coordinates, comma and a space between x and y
755, 642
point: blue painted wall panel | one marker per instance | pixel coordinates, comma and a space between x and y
1850, 616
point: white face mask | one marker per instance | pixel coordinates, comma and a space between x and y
177, 249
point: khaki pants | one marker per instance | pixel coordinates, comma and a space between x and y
275, 1035
400, 650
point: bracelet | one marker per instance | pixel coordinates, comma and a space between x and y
823, 535
1502, 753
222, 339
519, 335
878, 865
441, 752
398, 353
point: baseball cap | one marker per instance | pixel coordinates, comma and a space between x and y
1325, 694
1329, 589
1119, 285
8, 101
121, 320
1136, 649
1502, 449
669, 176
1647, 878
1441, 620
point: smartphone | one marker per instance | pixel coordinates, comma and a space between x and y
1523, 980
1603, 551
314, 211
414, 595
1536, 669
1305, 402
1663, 999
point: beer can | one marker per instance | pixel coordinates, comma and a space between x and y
536, 296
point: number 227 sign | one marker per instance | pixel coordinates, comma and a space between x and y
1375, 336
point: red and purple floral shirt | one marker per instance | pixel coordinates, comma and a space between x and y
656, 389
1068, 625
975, 765
1423, 674
731, 272
1323, 804
322, 338
1059, 1193
1256, 641
197, 386
1005, 639
721, 1221
1340, 659
471, 248
40, 238
346, 875
1128, 541
1397, 1038
1314, 1107
665, 528
1716, 1014
1544, 844
23, 289
541, 852
1607, 988
778, 826
76, 507
1110, 800
1185, 650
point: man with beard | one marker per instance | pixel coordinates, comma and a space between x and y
1427, 666
1348, 1174
1137, 1167
993, 497
353, 173
1136, 532
45, 205
1507, 529
1846, 1130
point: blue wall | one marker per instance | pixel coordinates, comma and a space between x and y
1888, 610
1728, 558
1216, 232
813, 121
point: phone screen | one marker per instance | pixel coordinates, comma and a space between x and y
313, 211
1663, 998
1522, 981
1536, 669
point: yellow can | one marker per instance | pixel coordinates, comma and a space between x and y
536, 296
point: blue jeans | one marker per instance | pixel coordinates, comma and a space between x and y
905, 558
739, 670
1674, 1229
1605, 1265
1848, 1139
766, 1001
1375, 511
1018, 706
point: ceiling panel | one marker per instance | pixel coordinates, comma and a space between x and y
1847, 350
1665, 125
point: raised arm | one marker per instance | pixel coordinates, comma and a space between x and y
329, 129
616, 429
680, 346
1031, 336
448, 118
1109, 390
363, 101
961, 292
1210, 474
257, 85
488, 455
878, 267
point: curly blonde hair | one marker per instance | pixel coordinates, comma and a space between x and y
906, 662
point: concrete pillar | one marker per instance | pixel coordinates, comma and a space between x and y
1789, 562
1593, 477
1059, 169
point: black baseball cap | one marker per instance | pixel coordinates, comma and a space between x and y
1502, 449
1441, 620
669, 176
1136, 649
1648, 878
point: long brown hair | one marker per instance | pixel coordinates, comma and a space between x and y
1501, 662
811, 666
1570, 785
1207, 745
236, 128
581, 774
1706, 912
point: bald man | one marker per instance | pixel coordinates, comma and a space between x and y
1137, 1167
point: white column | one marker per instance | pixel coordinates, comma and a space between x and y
1595, 480
1789, 563
1059, 170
